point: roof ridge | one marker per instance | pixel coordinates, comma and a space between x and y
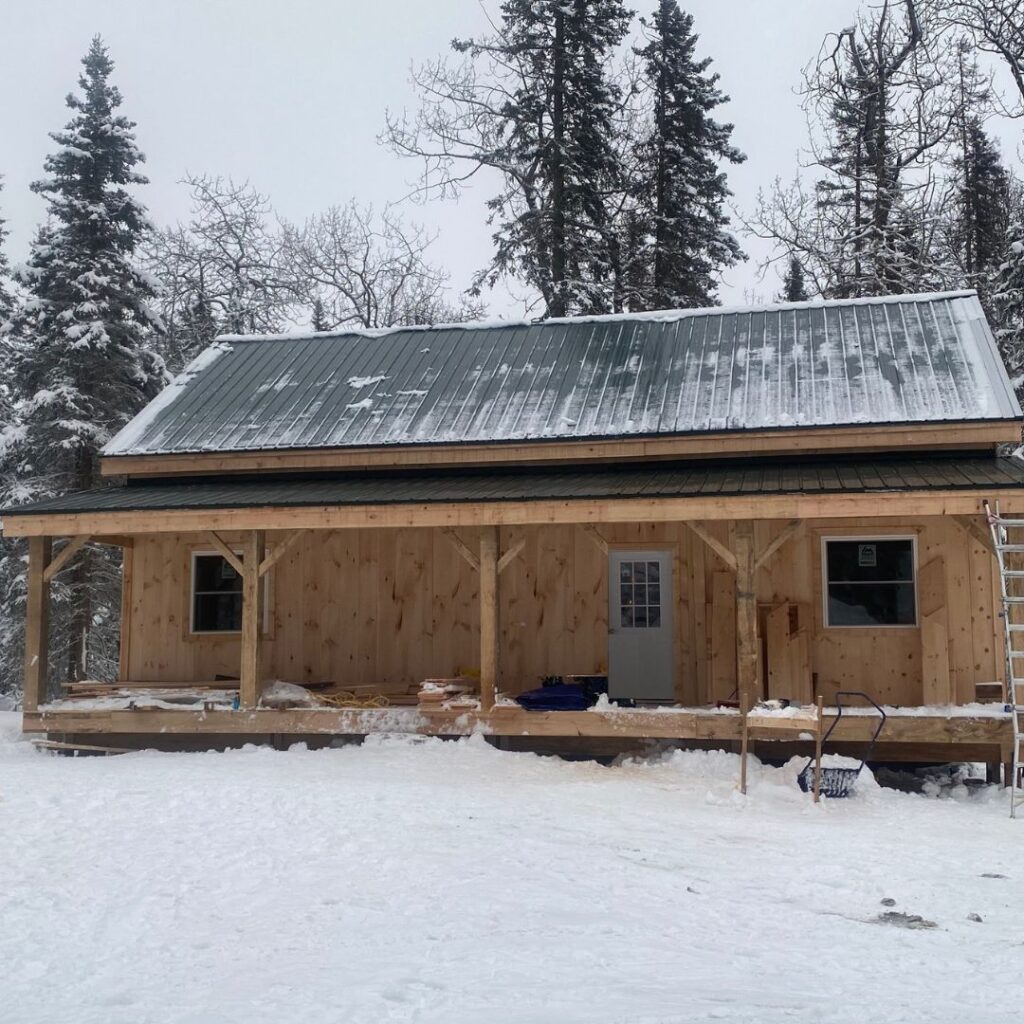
647, 316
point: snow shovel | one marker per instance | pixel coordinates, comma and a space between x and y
839, 782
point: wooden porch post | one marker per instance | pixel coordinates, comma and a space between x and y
749, 684
37, 618
251, 674
488, 616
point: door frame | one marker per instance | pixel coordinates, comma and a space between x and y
669, 552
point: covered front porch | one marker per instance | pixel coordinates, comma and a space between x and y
503, 580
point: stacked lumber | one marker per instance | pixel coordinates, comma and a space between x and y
448, 692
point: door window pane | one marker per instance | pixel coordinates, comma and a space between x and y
870, 582
639, 594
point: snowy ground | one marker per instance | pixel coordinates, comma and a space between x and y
412, 880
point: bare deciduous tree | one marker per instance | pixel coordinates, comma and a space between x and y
354, 267
881, 115
224, 270
997, 27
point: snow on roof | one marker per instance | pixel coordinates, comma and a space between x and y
898, 359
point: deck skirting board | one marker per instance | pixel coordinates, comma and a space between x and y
916, 730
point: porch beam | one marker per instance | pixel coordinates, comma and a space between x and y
463, 549
37, 617
510, 556
279, 551
714, 543
225, 552
488, 617
749, 684
251, 670
66, 553
789, 532
515, 513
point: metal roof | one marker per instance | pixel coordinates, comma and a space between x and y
654, 480
910, 359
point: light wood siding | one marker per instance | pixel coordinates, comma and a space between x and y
392, 607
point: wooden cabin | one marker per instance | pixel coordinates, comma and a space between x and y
708, 507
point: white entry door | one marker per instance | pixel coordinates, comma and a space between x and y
640, 624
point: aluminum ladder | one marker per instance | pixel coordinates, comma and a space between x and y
1008, 541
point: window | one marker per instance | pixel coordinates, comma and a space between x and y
870, 582
216, 595
640, 594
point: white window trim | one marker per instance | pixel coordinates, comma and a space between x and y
265, 582
868, 539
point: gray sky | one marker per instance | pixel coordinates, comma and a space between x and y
290, 94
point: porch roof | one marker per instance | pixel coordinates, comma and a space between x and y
969, 473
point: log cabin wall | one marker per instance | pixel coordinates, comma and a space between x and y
392, 607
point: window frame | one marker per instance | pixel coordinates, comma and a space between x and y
196, 553
869, 538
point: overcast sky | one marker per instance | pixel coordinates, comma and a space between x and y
291, 94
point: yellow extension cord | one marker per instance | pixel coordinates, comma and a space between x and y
347, 699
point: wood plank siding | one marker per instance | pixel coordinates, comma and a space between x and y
394, 606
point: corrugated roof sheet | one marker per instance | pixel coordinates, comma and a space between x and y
911, 359
675, 480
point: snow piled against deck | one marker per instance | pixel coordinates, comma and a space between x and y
413, 880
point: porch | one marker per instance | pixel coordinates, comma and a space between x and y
505, 579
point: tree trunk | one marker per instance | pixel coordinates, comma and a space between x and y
80, 586
558, 305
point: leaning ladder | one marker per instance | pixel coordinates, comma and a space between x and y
1008, 541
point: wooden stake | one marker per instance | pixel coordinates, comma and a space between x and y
37, 616
746, 617
817, 748
744, 744
488, 616
251, 674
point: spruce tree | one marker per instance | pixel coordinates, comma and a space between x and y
537, 101
6, 301
794, 285
983, 206
81, 367
560, 117
1007, 297
684, 191
318, 318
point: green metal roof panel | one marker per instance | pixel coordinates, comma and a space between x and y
911, 359
669, 480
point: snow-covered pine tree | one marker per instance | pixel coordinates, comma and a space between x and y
1007, 298
561, 114
6, 300
683, 190
794, 283
81, 366
983, 206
